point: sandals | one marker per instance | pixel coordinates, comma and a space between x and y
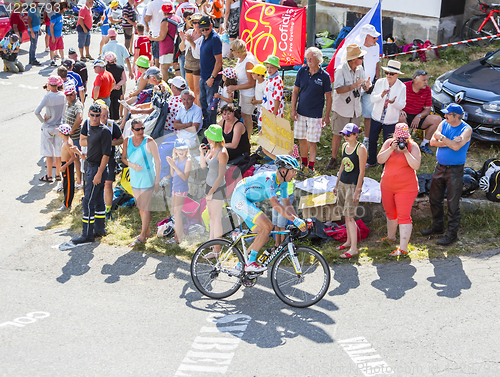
342, 247
347, 255
58, 177
367, 166
398, 252
136, 241
386, 239
171, 241
47, 179
212, 254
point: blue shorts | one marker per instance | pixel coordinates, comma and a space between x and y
155, 49
83, 39
244, 208
104, 30
278, 219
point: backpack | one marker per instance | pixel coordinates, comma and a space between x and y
343, 33
493, 192
489, 163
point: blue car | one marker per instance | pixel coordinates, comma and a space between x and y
476, 87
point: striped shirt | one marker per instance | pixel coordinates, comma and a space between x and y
129, 12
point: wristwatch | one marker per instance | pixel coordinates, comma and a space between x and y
419, 115
441, 138
212, 77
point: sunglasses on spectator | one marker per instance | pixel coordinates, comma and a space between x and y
196, 22
94, 115
138, 129
391, 73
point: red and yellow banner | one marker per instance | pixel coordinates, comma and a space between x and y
270, 29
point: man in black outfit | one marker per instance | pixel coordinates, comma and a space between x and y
97, 139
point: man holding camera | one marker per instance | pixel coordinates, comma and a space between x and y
349, 79
452, 138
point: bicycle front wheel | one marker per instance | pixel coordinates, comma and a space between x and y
305, 289
470, 31
215, 268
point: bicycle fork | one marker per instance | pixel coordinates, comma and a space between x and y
294, 258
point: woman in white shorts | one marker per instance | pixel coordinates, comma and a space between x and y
246, 83
50, 146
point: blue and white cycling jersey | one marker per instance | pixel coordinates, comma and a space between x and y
253, 190
262, 186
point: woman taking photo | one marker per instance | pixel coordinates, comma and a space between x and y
192, 39
140, 154
246, 83
234, 133
399, 185
215, 159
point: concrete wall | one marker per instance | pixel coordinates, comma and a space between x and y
332, 17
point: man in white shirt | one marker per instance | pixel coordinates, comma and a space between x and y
371, 64
188, 120
152, 20
350, 78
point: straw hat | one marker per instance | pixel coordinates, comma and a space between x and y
393, 66
354, 52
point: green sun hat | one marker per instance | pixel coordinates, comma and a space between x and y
273, 60
214, 133
142, 61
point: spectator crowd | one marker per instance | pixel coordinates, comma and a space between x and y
185, 102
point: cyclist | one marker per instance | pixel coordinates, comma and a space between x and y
257, 188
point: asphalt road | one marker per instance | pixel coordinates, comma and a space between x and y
99, 310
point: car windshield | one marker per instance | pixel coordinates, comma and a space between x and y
494, 60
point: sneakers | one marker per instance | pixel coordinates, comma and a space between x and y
63, 208
367, 166
47, 49
58, 188
426, 149
35, 62
331, 165
78, 186
53, 63
254, 267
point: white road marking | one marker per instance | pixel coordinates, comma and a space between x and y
28, 319
212, 354
360, 351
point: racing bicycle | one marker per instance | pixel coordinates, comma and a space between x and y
300, 275
482, 26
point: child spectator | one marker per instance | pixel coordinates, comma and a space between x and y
68, 167
349, 184
228, 78
180, 167
55, 32
258, 74
142, 46
273, 93
9, 48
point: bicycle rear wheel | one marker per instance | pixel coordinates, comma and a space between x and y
307, 288
469, 31
217, 277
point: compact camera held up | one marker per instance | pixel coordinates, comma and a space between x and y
402, 143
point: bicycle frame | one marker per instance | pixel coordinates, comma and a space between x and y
490, 17
286, 243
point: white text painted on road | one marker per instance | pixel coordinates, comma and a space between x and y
212, 351
28, 319
365, 357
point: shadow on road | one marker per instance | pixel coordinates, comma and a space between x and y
39, 189
348, 278
450, 278
126, 265
395, 279
78, 264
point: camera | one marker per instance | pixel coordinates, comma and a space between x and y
402, 143
356, 94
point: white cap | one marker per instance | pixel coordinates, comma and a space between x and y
178, 82
369, 29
